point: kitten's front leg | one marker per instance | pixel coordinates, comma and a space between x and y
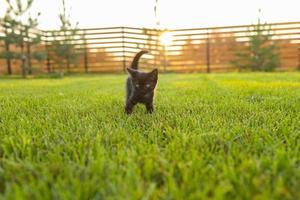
129, 107
149, 107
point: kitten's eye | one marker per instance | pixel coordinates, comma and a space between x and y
148, 85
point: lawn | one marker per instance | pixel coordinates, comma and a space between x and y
218, 136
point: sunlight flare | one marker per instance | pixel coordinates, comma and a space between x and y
166, 38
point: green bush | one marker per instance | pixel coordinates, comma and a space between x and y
261, 53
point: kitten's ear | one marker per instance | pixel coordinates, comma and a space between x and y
154, 72
132, 72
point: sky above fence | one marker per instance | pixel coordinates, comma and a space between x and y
171, 13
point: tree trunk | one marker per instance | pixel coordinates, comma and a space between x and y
61, 73
28, 54
68, 63
8, 60
29, 59
23, 58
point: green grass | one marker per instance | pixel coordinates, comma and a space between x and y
220, 136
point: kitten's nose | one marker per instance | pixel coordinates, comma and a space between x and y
144, 90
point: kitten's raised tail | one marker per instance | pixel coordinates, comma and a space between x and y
135, 61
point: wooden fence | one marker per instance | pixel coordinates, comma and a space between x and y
181, 50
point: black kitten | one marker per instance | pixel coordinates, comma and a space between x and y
140, 86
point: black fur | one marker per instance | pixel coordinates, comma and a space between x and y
140, 86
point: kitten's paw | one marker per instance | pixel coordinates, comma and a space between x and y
128, 111
149, 108
150, 111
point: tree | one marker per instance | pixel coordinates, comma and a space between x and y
64, 42
261, 53
18, 32
9, 38
18, 10
31, 41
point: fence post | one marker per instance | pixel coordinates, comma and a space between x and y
298, 56
86, 66
47, 50
207, 52
165, 58
156, 51
29, 58
123, 50
48, 62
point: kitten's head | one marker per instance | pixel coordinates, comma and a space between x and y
143, 82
